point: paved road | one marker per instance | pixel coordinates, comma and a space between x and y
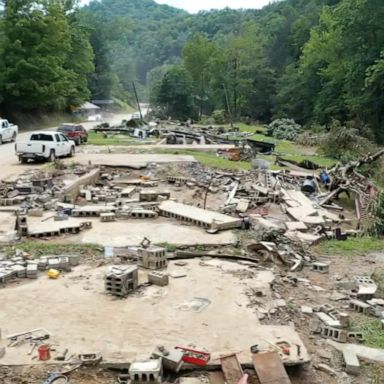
9, 164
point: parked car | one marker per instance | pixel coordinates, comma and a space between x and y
8, 131
75, 132
45, 146
97, 117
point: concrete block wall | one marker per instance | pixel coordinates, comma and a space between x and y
70, 193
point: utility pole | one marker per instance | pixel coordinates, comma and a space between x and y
228, 107
137, 100
206, 192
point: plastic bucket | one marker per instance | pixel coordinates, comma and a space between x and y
44, 352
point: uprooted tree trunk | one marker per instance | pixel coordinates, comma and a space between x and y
346, 177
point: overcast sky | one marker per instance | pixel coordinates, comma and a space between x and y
198, 5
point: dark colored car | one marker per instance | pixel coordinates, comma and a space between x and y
75, 132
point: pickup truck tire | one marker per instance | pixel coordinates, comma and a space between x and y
52, 156
23, 160
13, 137
78, 141
1, 140
72, 153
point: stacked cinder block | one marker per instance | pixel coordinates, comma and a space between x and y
32, 270
61, 263
121, 280
152, 257
21, 271
17, 267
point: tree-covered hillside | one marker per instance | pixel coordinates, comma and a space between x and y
310, 60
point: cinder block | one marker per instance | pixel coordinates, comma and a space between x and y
74, 260
352, 365
172, 358
158, 278
149, 371
152, 258
120, 281
32, 269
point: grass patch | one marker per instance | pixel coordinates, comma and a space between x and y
98, 138
288, 149
319, 160
210, 159
39, 249
372, 332
168, 246
378, 277
246, 128
350, 247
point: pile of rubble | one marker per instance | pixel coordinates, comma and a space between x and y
23, 267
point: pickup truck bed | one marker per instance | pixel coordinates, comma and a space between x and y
45, 146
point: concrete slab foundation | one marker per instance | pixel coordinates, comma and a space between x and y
198, 216
90, 320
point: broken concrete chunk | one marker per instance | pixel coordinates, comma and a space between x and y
296, 226
242, 205
326, 368
172, 358
307, 310
352, 365
336, 296
158, 278
181, 263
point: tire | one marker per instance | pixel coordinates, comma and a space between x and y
13, 137
78, 141
1, 140
72, 153
52, 156
23, 160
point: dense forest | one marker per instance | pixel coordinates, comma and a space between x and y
315, 61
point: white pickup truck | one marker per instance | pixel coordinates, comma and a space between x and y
45, 146
8, 131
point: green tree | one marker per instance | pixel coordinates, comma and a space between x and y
174, 93
343, 57
197, 55
41, 68
80, 62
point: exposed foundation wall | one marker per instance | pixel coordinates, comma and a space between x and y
70, 193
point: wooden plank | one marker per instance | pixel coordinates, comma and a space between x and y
232, 194
231, 368
269, 368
